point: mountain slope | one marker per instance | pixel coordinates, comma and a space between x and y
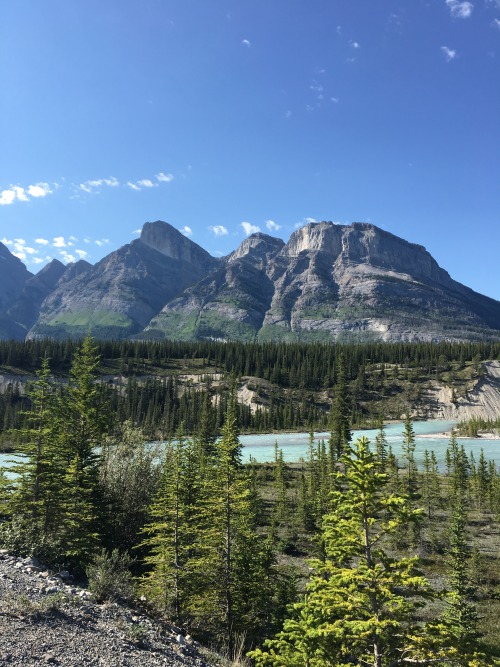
120, 294
13, 277
329, 283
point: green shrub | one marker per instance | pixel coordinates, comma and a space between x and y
109, 576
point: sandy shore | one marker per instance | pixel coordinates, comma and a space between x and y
447, 435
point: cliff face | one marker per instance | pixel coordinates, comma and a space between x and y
328, 283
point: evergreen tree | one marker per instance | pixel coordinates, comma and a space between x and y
461, 615
81, 419
360, 604
340, 414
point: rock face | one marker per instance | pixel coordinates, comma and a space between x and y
120, 294
328, 283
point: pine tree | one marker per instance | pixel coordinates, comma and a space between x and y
81, 420
340, 414
360, 604
461, 616
171, 534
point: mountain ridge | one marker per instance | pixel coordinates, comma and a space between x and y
328, 282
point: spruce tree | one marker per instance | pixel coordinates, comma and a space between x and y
361, 604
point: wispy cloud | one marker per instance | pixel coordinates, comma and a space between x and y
272, 226
355, 45
496, 23
249, 228
460, 10
16, 193
164, 178
147, 183
304, 221
95, 185
449, 54
133, 186
67, 257
219, 230
187, 231
246, 42
101, 242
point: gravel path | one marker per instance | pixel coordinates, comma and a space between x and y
46, 620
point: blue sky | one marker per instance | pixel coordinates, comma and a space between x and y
227, 116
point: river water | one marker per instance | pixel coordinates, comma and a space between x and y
295, 445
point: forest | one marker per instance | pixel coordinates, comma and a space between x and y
159, 386
348, 557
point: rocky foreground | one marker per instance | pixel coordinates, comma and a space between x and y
47, 620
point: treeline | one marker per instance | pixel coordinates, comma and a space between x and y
143, 383
294, 365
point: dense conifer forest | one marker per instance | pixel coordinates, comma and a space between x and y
293, 383
349, 557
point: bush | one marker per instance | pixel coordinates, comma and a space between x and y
109, 576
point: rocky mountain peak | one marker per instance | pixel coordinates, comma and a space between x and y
168, 240
315, 237
260, 246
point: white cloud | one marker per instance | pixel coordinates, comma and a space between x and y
246, 42
73, 238
20, 255
164, 178
59, 242
250, 229
96, 184
7, 197
355, 45
38, 260
81, 253
67, 258
187, 231
219, 230
17, 193
137, 231
30, 251
146, 183
133, 186
460, 10
6, 241
449, 54
20, 193
41, 241
272, 226
19, 242
335, 100
101, 242
496, 23
39, 190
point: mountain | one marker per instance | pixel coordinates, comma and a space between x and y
329, 282
119, 295
13, 277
